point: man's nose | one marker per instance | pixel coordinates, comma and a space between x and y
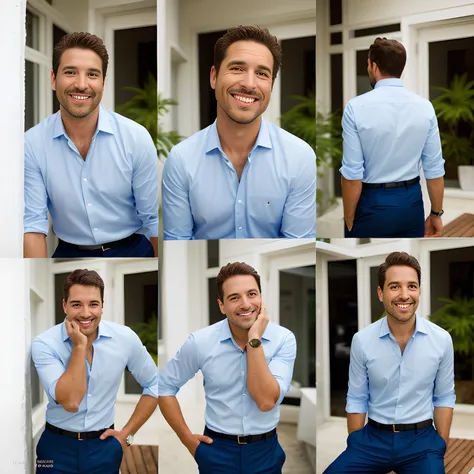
81, 82
249, 81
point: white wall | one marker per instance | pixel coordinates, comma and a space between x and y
12, 77
75, 12
15, 413
370, 11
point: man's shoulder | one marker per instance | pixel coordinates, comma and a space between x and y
208, 333
299, 147
42, 129
51, 336
436, 330
369, 331
190, 146
125, 124
280, 332
116, 329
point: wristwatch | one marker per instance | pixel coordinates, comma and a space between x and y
255, 343
438, 214
129, 439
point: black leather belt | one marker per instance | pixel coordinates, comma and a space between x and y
239, 438
73, 434
103, 247
398, 184
407, 427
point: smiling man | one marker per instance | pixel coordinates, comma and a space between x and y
241, 177
402, 374
247, 364
94, 170
80, 363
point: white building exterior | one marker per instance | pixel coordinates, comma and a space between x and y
418, 25
435, 256
187, 305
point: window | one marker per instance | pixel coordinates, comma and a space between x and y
335, 12
212, 253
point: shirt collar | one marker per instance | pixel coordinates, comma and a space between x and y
103, 124
390, 82
104, 331
263, 138
226, 334
420, 326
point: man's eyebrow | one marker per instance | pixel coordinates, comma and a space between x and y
236, 294
91, 69
79, 301
397, 283
237, 62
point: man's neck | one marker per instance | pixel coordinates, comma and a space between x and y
401, 330
237, 139
80, 129
92, 338
240, 335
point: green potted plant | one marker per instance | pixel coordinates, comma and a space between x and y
455, 109
457, 317
146, 107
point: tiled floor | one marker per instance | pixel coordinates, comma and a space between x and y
296, 457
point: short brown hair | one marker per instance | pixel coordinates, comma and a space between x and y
389, 55
398, 259
83, 277
234, 269
83, 41
248, 33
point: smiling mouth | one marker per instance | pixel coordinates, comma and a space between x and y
248, 313
79, 97
244, 100
402, 305
84, 322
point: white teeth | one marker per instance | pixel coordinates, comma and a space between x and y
245, 99
245, 314
403, 306
80, 97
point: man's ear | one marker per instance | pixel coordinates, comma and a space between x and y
53, 81
380, 294
213, 77
64, 306
221, 306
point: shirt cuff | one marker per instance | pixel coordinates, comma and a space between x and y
151, 392
445, 401
37, 228
164, 391
356, 407
350, 174
434, 174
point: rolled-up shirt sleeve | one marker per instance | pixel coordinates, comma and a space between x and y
145, 184
181, 368
353, 156
282, 363
432, 156
443, 393
358, 392
142, 367
48, 365
35, 195
178, 222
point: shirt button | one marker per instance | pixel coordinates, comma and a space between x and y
89, 395
95, 228
89, 204
85, 179
243, 373
243, 394
240, 228
240, 201
245, 417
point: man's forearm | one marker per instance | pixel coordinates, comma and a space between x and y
154, 243
261, 384
172, 413
144, 409
351, 191
436, 193
443, 417
72, 385
34, 245
355, 421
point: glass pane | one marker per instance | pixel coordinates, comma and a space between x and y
298, 314
452, 276
215, 314
58, 33
363, 81
335, 12
377, 30
31, 94
32, 30
59, 280
336, 38
141, 310
376, 307
212, 253
343, 324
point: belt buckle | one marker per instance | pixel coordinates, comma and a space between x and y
238, 439
103, 250
79, 437
394, 430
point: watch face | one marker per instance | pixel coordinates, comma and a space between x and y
129, 440
255, 342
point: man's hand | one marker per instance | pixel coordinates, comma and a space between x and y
258, 327
194, 440
75, 334
433, 226
118, 435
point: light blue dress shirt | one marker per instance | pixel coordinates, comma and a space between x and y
398, 388
387, 133
115, 348
107, 197
229, 407
276, 195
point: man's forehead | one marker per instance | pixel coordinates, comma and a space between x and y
84, 290
239, 283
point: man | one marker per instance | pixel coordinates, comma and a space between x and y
241, 177
80, 364
94, 170
401, 373
247, 364
387, 133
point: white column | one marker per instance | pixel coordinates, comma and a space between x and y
15, 399
12, 79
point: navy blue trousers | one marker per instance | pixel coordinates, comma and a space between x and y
391, 212
372, 450
139, 246
225, 456
58, 454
